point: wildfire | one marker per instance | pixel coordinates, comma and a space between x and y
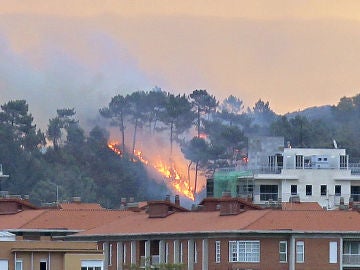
114, 146
174, 178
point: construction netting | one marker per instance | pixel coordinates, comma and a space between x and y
236, 182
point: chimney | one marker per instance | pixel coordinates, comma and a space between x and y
177, 200
123, 203
229, 205
158, 209
76, 199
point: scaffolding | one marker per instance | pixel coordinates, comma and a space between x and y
239, 183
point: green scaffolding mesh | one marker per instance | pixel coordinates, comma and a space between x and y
228, 180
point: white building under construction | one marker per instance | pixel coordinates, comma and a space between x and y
275, 173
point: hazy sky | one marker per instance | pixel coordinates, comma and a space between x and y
80, 53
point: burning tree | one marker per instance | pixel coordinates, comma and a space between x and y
117, 111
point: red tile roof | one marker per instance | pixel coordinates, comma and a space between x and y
308, 221
179, 222
84, 206
78, 219
16, 221
251, 220
301, 206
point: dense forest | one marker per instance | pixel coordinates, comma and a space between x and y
67, 160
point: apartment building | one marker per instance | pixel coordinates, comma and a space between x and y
29, 235
219, 233
231, 236
277, 174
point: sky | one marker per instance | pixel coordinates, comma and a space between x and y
80, 53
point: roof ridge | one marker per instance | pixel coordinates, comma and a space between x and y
266, 212
89, 209
43, 211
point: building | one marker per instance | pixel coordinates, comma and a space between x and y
29, 235
221, 233
274, 173
230, 236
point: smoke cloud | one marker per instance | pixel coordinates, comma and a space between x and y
54, 74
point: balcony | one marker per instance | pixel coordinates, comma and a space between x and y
351, 259
151, 262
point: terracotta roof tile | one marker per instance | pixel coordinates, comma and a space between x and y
84, 206
16, 221
75, 219
179, 222
253, 220
308, 221
301, 206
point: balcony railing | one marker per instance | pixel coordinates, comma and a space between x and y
268, 196
268, 169
351, 259
149, 261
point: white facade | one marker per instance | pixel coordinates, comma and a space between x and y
313, 175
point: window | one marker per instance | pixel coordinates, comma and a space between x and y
323, 190
43, 265
217, 252
91, 265
195, 252
244, 251
110, 254
333, 252
343, 162
124, 253
355, 193
4, 264
308, 190
299, 161
283, 251
268, 192
338, 190
352, 248
181, 252
300, 252
293, 189
18, 265
166, 252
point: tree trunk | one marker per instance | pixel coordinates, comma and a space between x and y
196, 176
134, 136
188, 172
171, 138
198, 120
122, 129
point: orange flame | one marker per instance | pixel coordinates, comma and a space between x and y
114, 146
175, 179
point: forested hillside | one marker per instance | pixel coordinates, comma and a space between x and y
67, 159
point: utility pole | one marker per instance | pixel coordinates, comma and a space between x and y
2, 175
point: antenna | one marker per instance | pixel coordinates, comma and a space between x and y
335, 144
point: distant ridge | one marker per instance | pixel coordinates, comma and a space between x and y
313, 113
